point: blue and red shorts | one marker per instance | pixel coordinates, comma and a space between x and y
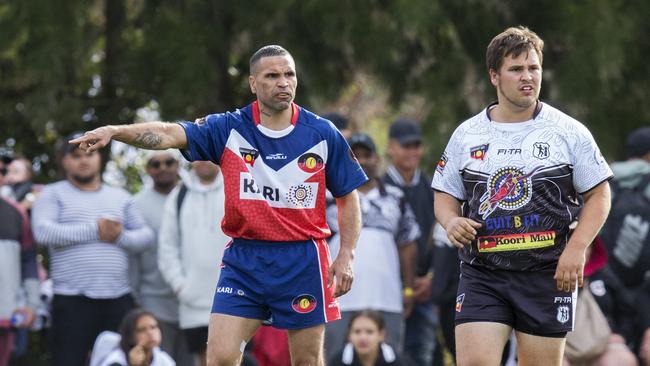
284, 282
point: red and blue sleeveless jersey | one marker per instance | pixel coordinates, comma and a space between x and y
275, 185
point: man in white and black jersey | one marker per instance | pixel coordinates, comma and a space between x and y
520, 166
90, 229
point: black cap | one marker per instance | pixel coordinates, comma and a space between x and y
638, 143
405, 132
337, 119
66, 147
363, 140
6, 157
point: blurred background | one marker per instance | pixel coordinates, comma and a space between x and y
75, 65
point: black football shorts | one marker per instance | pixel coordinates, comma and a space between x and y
527, 301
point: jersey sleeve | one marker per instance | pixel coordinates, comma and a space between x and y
589, 165
343, 172
447, 177
206, 138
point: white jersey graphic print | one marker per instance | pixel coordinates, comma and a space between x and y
521, 181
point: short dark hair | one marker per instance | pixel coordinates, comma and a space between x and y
128, 328
373, 315
266, 51
512, 41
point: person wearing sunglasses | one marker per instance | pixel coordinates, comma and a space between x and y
149, 287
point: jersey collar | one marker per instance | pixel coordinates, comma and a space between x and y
256, 113
538, 108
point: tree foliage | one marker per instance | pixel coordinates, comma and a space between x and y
73, 65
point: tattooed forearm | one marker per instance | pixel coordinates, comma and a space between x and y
147, 140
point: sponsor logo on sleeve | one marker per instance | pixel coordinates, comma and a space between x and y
303, 304
442, 163
478, 152
502, 243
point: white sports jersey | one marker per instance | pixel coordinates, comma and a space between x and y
521, 181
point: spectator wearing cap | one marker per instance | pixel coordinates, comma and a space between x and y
637, 149
149, 287
89, 229
385, 254
340, 122
405, 151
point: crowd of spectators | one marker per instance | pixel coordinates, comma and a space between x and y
130, 279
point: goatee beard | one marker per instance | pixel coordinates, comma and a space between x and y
83, 179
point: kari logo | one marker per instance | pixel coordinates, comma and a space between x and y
301, 195
478, 152
304, 304
224, 290
248, 189
459, 302
310, 162
249, 155
541, 150
200, 121
442, 163
509, 188
563, 314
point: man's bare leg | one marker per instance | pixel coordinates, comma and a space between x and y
535, 350
306, 346
481, 343
227, 336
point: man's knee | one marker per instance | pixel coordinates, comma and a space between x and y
223, 358
306, 360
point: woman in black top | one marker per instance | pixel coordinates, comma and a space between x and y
366, 345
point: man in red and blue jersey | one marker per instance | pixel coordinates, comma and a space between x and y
277, 161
